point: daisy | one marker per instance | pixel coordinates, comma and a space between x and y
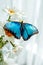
13, 13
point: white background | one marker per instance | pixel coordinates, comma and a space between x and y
33, 9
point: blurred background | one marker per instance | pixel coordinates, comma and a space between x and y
32, 54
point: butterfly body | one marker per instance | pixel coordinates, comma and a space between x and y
19, 29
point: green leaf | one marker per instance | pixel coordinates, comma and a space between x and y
2, 42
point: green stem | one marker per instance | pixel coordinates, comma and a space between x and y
12, 44
2, 62
9, 18
1, 56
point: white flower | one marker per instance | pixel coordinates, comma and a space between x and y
10, 11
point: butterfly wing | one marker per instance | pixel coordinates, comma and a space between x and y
28, 31
14, 28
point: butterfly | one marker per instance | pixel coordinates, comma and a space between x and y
18, 29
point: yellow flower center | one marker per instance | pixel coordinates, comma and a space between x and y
11, 11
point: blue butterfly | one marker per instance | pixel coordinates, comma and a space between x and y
19, 29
